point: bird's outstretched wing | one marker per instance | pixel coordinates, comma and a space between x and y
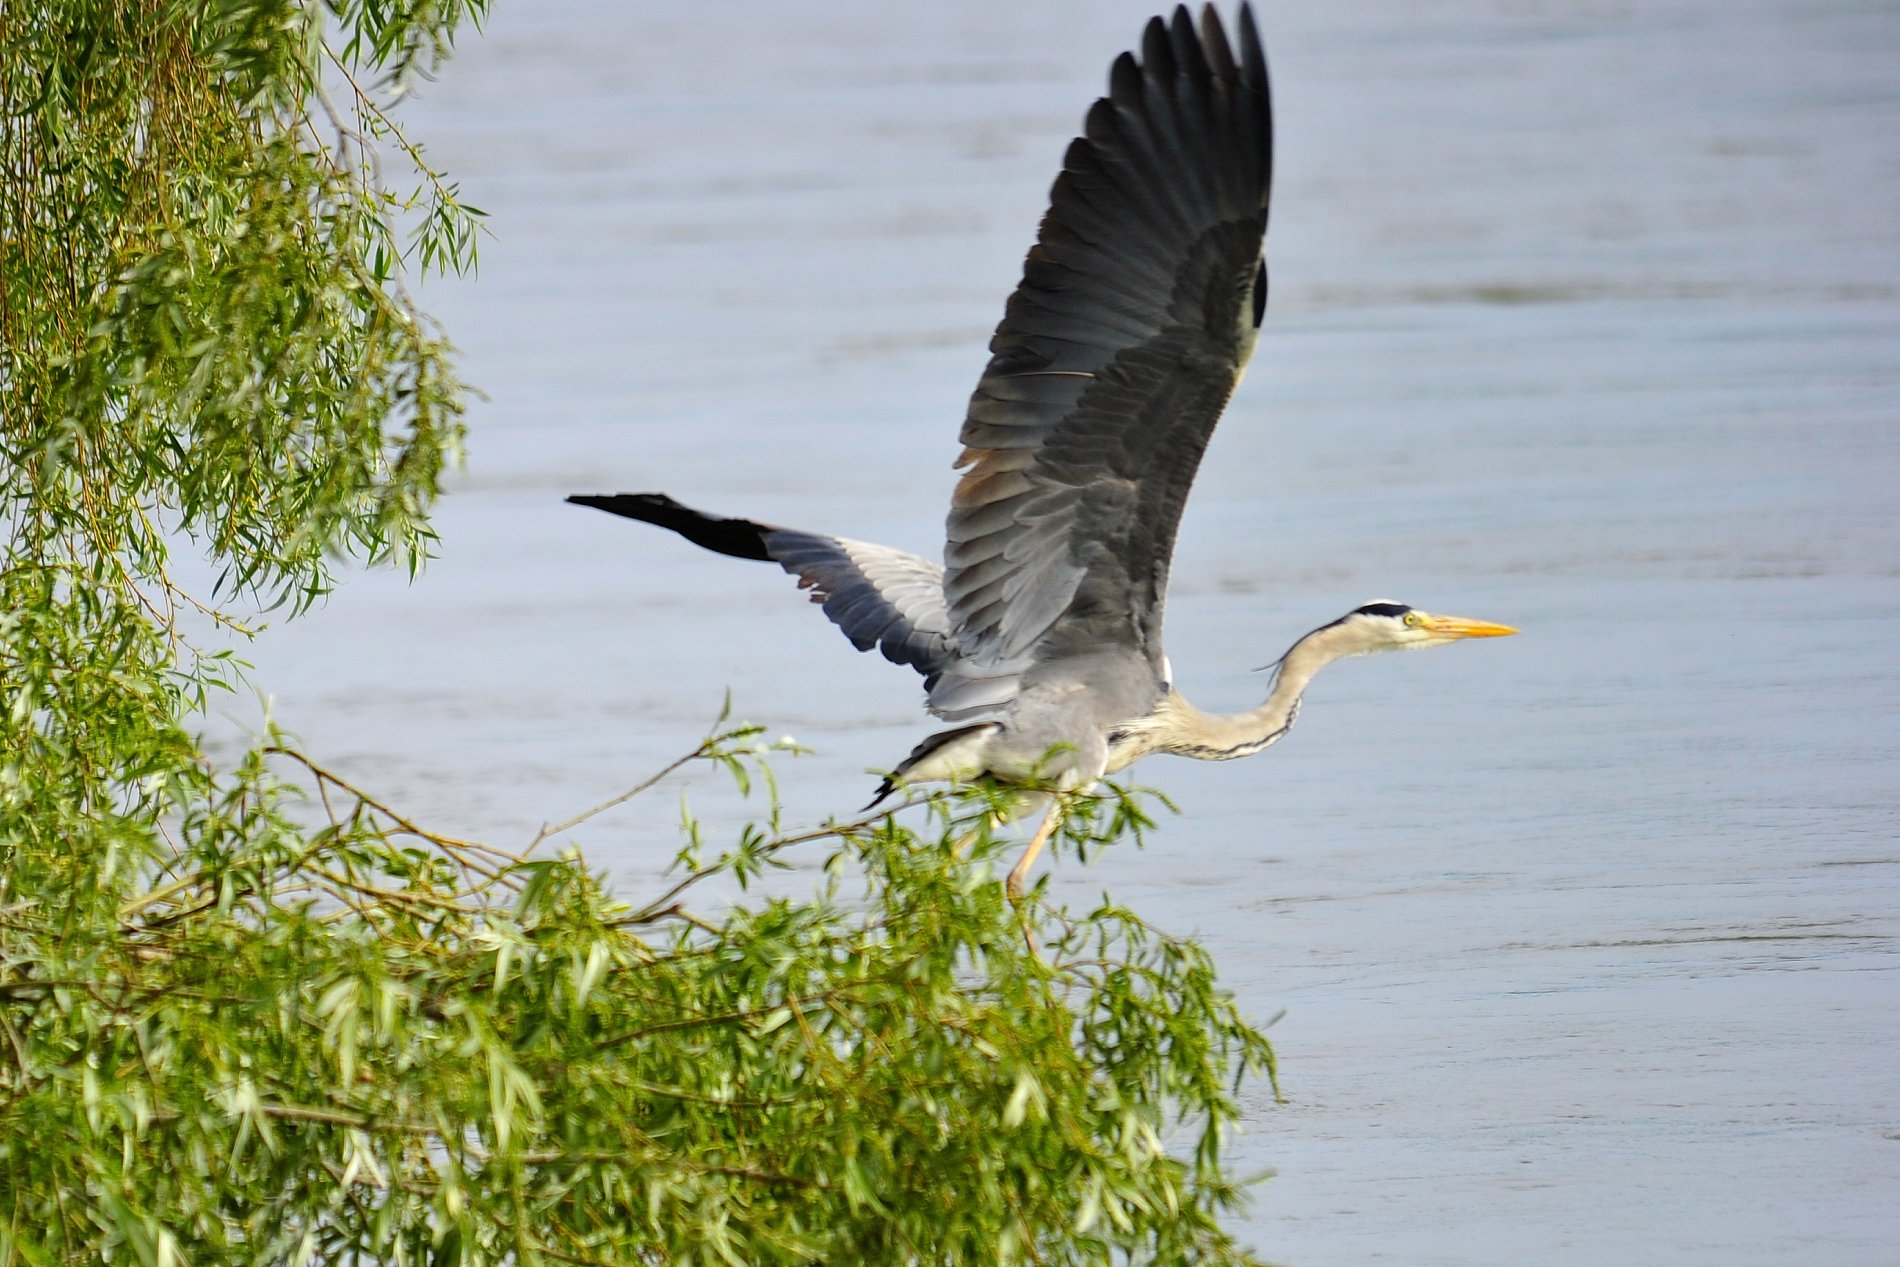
880, 597
1114, 358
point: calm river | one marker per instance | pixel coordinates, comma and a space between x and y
1586, 318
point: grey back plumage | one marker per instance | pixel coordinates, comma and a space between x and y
1114, 358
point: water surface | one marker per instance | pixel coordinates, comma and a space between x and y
1585, 317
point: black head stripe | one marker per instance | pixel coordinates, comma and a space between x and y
1395, 610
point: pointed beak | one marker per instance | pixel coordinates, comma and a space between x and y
1459, 627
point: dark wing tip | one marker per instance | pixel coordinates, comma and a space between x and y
740, 538
1157, 51
1188, 53
1220, 54
1252, 56
620, 503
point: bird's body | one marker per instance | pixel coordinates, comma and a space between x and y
1040, 634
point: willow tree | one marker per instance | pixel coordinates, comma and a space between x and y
253, 1014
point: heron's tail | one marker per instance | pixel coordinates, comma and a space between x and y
885, 787
945, 756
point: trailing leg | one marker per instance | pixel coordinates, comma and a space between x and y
1014, 885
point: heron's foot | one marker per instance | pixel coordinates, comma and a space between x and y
1013, 887
1019, 874
1029, 940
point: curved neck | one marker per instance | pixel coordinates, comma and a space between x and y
1224, 736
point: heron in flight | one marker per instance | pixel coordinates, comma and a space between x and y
1040, 635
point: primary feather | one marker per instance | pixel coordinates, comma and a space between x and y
1115, 356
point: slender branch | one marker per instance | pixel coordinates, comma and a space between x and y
399, 896
674, 911
402, 823
344, 1117
547, 832
727, 1018
668, 904
698, 1167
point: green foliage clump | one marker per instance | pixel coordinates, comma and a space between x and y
251, 1014
366, 1043
204, 340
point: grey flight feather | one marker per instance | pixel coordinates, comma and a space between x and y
1135, 316
878, 596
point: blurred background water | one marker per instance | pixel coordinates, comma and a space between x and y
1586, 318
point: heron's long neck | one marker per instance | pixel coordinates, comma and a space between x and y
1223, 736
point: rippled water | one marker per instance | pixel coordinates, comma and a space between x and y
1586, 317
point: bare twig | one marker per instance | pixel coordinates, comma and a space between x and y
547, 832
668, 904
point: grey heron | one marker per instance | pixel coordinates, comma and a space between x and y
1040, 634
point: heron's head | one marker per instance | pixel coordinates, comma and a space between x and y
1388, 626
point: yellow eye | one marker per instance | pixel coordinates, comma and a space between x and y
1413, 620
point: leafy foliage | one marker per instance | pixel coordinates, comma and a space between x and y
254, 1014
206, 326
354, 1050
204, 337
